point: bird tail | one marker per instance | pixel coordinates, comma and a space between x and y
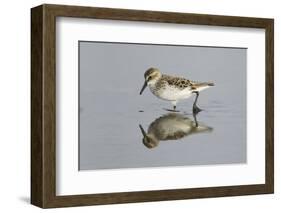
210, 84
201, 85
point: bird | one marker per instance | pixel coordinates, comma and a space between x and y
173, 88
171, 126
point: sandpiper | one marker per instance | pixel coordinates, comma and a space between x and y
172, 88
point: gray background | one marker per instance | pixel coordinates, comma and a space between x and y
111, 76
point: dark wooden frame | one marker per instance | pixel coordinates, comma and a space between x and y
43, 105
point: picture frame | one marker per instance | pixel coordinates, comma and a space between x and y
43, 106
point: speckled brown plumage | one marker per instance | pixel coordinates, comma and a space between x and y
179, 82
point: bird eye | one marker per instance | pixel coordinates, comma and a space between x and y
149, 78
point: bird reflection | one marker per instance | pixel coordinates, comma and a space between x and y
171, 126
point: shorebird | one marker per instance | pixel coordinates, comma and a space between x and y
172, 88
172, 126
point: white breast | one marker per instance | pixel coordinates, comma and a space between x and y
171, 93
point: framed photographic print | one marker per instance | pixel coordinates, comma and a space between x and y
135, 106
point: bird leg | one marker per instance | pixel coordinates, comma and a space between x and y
196, 109
174, 103
195, 119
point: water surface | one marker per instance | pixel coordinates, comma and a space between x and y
111, 109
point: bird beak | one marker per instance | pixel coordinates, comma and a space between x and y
143, 87
142, 131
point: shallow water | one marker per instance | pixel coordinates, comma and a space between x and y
111, 108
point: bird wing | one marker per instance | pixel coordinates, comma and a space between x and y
183, 83
179, 82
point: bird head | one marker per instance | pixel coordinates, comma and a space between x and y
148, 140
151, 76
